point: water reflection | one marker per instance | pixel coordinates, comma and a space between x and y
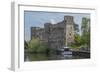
43, 57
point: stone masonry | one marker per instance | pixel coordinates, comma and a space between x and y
56, 35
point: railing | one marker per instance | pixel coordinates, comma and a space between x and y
81, 53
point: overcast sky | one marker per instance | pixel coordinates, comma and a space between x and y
37, 19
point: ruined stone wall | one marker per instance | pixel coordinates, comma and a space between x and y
56, 35
37, 32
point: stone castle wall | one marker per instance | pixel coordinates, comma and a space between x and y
56, 35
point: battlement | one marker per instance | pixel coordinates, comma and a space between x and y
68, 19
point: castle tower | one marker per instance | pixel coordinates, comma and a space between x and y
69, 22
33, 32
36, 32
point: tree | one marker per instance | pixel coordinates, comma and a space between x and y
85, 32
25, 45
42, 47
84, 39
34, 44
85, 25
77, 39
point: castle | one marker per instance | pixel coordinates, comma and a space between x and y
56, 35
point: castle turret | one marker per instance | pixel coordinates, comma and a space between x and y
37, 32
34, 32
69, 22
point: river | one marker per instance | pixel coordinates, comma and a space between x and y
44, 57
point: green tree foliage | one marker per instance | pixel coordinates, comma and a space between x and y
77, 39
77, 42
85, 32
85, 25
42, 47
84, 39
35, 45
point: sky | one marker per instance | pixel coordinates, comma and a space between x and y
38, 18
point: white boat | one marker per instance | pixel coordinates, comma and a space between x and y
67, 53
68, 56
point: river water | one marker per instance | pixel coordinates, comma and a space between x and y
44, 57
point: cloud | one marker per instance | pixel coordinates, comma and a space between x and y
52, 21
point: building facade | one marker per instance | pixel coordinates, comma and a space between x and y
56, 35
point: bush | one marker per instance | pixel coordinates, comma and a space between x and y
36, 45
